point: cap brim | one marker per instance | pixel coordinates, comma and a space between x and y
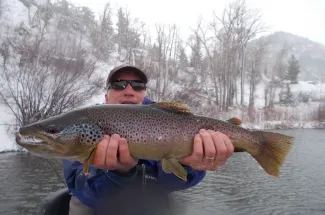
136, 70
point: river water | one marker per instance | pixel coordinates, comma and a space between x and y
239, 187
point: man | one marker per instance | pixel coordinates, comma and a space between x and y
114, 170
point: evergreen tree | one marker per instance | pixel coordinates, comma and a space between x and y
128, 36
182, 57
286, 97
103, 33
293, 70
122, 29
196, 56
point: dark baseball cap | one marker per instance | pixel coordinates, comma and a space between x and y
126, 67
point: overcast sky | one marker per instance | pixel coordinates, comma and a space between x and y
301, 17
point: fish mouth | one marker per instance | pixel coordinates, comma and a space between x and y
31, 140
40, 145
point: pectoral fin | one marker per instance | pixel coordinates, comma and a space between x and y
173, 166
86, 168
88, 162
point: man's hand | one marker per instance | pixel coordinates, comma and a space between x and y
112, 153
210, 151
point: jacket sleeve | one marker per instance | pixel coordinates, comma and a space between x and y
172, 183
89, 189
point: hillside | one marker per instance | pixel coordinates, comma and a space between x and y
311, 55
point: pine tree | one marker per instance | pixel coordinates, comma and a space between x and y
182, 57
128, 36
293, 70
286, 97
196, 56
122, 29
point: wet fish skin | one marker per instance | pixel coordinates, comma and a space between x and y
162, 131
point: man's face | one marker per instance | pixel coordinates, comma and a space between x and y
127, 95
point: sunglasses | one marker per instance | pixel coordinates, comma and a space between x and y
122, 84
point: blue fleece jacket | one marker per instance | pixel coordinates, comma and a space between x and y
90, 189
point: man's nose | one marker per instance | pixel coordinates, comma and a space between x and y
128, 90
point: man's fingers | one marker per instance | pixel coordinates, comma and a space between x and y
198, 148
127, 162
229, 146
211, 149
221, 149
100, 153
224, 149
111, 153
208, 145
124, 154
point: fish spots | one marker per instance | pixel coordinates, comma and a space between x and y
86, 133
143, 125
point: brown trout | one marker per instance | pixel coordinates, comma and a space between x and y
162, 131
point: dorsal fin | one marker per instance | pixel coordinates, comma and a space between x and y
235, 121
173, 106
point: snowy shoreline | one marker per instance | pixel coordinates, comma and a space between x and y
283, 125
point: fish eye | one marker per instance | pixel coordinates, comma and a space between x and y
52, 129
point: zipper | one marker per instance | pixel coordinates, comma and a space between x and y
141, 173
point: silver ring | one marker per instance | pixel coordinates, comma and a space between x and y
209, 158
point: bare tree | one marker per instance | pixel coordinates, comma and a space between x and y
246, 25
161, 62
256, 57
208, 65
40, 77
254, 65
238, 25
36, 91
277, 75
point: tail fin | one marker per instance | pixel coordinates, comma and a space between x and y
273, 150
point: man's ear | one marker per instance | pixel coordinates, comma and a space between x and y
106, 98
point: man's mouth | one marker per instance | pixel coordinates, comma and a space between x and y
128, 102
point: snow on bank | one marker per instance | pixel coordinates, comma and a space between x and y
7, 142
